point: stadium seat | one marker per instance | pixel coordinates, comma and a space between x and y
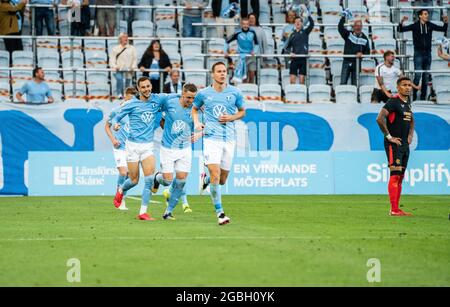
443, 94
296, 93
270, 93
166, 32
142, 28
285, 77
4, 62
249, 91
22, 58
165, 17
367, 79
198, 78
48, 59
346, 94
193, 62
319, 93
336, 66
269, 76
316, 76
441, 79
191, 48
77, 59
365, 93
99, 90
175, 60
96, 59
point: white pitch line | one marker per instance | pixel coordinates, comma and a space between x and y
208, 238
139, 199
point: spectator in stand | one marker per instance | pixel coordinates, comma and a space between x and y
422, 36
386, 79
356, 43
248, 7
155, 59
81, 26
44, 14
174, 85
191, 16
106, 18
227, 12
247, 45
9, 25
35, 90
287, 31
123, 60
298, 44
20, 14
260, 35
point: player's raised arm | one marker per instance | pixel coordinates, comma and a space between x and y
381, 121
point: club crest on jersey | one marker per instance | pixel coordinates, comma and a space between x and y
229, 98
178, 126
147, 117
219, 111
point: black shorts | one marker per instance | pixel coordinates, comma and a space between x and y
397, 155
298, 67
378, 96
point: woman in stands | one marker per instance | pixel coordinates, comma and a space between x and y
155, 59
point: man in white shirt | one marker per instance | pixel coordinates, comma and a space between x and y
386, 79
123, 60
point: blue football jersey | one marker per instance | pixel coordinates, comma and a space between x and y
143, 117
215, 104
178, 125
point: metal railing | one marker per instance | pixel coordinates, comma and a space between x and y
74, 71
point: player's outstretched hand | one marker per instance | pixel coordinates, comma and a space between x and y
397, 141
116, 143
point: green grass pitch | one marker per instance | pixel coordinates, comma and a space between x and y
272, 241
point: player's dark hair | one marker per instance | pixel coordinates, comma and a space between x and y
298, 17
402, 79
388, 53
131, 91
217, 64
420, 12
142, 79
35, 71
190, 87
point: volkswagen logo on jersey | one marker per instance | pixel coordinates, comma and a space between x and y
147, 117
219, 111
178, 127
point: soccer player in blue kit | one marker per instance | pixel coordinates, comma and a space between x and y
118, 139
222, 105
176, 149
142, 114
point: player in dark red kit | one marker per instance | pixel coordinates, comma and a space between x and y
396, 121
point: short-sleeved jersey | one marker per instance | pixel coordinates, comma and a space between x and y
178, 125
399, 118
36, 92
142, 116
215, 104
122, 134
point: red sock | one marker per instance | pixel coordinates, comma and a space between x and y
393, 189
399, 192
